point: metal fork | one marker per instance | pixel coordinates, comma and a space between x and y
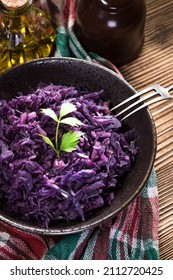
158, 90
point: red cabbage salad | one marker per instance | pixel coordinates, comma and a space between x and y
38, 186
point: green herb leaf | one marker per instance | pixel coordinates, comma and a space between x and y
66, 108
49, 112
70, 140
72, 121
48, 141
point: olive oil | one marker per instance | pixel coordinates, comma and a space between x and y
26, 33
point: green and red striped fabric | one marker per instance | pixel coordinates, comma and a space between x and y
132, 235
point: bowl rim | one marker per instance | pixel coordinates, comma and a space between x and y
69, 229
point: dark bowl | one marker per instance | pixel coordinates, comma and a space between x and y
91, 77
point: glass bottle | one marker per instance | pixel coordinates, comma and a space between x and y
113, 29
26, 33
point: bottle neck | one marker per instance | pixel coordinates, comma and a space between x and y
15, 7
115, 4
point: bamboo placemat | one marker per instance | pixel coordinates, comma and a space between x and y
155, 65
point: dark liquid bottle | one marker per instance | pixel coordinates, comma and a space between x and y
26, 33
113, 29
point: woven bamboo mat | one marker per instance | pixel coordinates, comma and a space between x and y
155, 65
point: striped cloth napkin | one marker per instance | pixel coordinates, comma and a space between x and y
132, 235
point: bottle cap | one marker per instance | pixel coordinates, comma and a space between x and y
14, 4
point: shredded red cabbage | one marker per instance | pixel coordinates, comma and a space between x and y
39, 187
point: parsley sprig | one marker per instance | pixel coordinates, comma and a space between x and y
69, 140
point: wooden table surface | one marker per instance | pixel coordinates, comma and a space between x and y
155, 66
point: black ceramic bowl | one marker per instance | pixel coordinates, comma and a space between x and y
91, 77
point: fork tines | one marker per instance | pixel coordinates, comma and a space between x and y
156, 93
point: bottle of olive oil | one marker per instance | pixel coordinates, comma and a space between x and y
26, 33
